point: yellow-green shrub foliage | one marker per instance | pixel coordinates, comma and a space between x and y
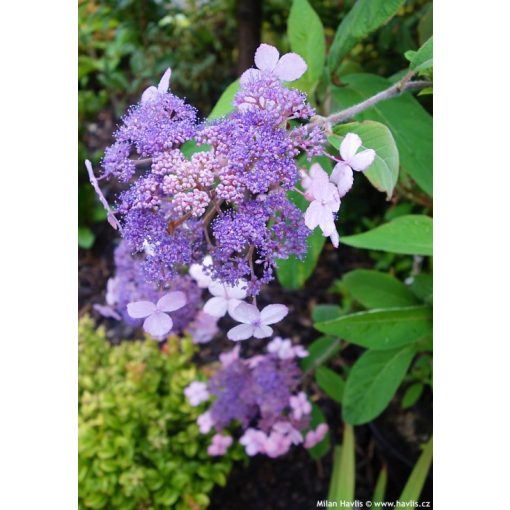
139, 445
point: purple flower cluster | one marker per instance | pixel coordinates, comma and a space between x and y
229, 200
262, 395
129, 284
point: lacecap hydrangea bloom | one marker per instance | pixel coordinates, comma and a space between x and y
229, 198
262, 396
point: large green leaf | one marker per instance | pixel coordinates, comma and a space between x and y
422, 59
382, 329
422, 287
331, 383
410, 234
372, 383
378, 290
383, 172
306, 36
322, 313
292, 273
416, 481
320, 351
225, 102
365, 17
343, 478
410, 124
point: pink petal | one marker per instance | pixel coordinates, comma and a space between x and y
313, 214
217, 289
343, 177
237, 292
249, 76
107, 311
140, 309
350, 144
266, 57
335, 241
232, 305
158, 324
320, 184
290, 67
241, 332
245, 313
262, 331
272, 314
172, 301
164, 83
362, 160
149, 94
216, 306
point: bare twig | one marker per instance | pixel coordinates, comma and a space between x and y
404, 85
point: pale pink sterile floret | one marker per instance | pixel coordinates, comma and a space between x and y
219, 445
253, 441
225, 298
276, 444
196, 393
289, 67
205, 422
342, 174
227, 358
314, 437
286, 428
300, 405
255, 323
157, 321
325, 204
285, 350
198, 273
152, 92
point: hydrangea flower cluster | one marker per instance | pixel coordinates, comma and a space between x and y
262, 395
129, 286
228, 199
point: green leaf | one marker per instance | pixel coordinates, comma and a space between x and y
410, 234
412, 395
320, 351
372, 383
422, 287
382, 329
322, 313
378, 290
426, 24
422, 59
365, 17
86, 237
320, 449
343, 478
410, 124
383, 172
306, 36
380, 485
292, 273
225, 102
416, 481
191, 147
331, 383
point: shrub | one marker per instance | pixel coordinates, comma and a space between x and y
139, 445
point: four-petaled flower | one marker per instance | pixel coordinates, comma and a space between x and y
157, 323
325, 203
152, 92
219, 445
196, 393
253, 441
225, 299
289, 67
314, 437
284, 349
254, 322
300, 405
342, 174
205, 422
